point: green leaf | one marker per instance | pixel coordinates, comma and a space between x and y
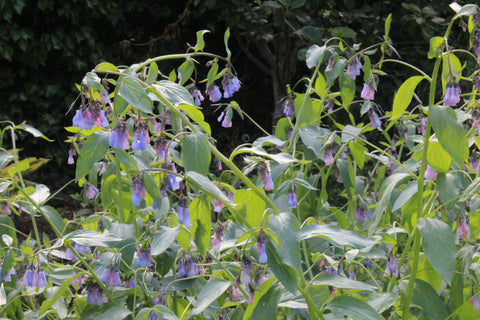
196, 154
342, 283
338, 236
320, 84
259, 293
448, 187
337, 69
347, 89
173, 92
303, 109
152, 73
225, 40
186, 70
404, 96
106, 66
163, 238
200, 213
47, 304
285, 227
34, 132
438, 241
91, 80
212, 74
21, 166
451, 65
209, 293
206, 185
91, 238
388, 22
358, 151
367, 69
315, 55
116, 313
3, 296
438, 158
267, 306
133, 92
196, 115
253, 207
382, 301
200, 42
52, 215
437, 45
450, 133
426, 298
348, 176
346, 306
40, 194
94, 149
407, 193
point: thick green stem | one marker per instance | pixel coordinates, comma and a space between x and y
421, 180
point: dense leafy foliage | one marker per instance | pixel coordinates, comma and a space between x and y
345, 211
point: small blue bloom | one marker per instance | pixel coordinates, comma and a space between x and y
111, 277
81, 249
392, 267
230, 85
119, 137
71, 154
263, 254
197, 96
374, 119
288, 108
292, 198
353, 68
83, 118
214, 93
98, 117
172, 183
138, 192
452, 94
183, 213
91, 192
161, 146
28, 277
144, 257
141, 138
130, 283
96, 296
361, 213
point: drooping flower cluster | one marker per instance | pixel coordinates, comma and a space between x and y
144, 256
463, 229
91, 192
217, 237
430, 173
96, 296
119, 137
368, 91
69, 255
226, 118
261, 247
392, 267
452, 94
141, 138
186, 266
265, 176
374, 119
288, 107
246, 267
361, 213
354, 67
230, 85
88, 116
197, 96
138, 192
183, 213
111, 277
328, 154
214, 93
35, 276
292, 197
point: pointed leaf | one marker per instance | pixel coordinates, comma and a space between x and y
338, 236
133, 92
163, 238
343, 306
94, 149
314, 55
196, 154
404, 95
209, 293
200, 213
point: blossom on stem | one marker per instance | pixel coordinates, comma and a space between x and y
5, 207
35, 277
217, 237
130, 283
11, 275
98, 118
422, 127
430, 173
214, 93
96, 296
463, 229
172, 183
374, 119
476, 46
392, 267
138, 192
144, 257
111, 277
186, 267
328, 154
368, 92
476, 302
331, 60
83, 118
230, 85
71, 153
246, 267
452, 94
292, 197
261, 247
266, 177
353, 68
161, 147
119, 137
141, 138
288, 107
183, 213
361, 213
197, 96
91, 192
225, 118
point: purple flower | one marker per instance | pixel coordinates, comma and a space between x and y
246, 267
5, 207
329, 106
430, 173
368, 92
288, 108
141, 138
35, 277
261, 248
374, 120
476, 82
214, 93
227, 119
352, 276
476, 302
153, 316
111, 277
144, 257
251, 295
91, 192
69, 255
217, 205
130, 283
119, 137
183, 214
172, 183
474, 162
78, 281
266, 177
71, 153
463, 229
197, 96
361, 213
392, 267
161, 146
452, 94
217, 237
138, 192
328, 154
83, 118
96, 296
476, 46
81, 249
186, 267
422, 127
292, 197
98, 117
9, 276
104, 97
329, 66
230, 85
28, 277
353, 68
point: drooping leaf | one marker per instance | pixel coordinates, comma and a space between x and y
285, 227
346, 306
425, 297
94, 149
338, 236
196, 154
251, 207
259, 293
200, 213
347, 89
163, 238
267, 306
196, 115
404, 95
206, 185
91, 238
438, 158
133, 92
341, 282
315, 55
437, 45
438, 241
173, 92
209, 293
200, 42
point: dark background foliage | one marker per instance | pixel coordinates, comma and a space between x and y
47, 46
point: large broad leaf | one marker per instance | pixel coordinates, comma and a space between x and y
93, 150
91, 80
303, 109
173, 92
404, 96
438, 158
346, 306
337, 235
450, 133
449, 188
251, 207
206, 185
439, 243
209, 293
133, 92
163, 238
348, 176
315, 55
285, 273
196, 154
347, 89
52, 215
116, 313
91, 238
40, 194
259, 293
200, 213
341, 282
425, 297
267, 307
285, 227
312, 138
196, 115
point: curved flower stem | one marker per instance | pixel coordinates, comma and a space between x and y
178, 56
408, 65
421, 179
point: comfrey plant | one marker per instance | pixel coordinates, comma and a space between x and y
349, 210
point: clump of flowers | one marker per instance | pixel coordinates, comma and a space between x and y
139, 191
354, 67
452, 94
119, 137
230, 85
265, 176
35, 276
111, 277
214, 93
187, 268
141, 138
95, 295
261, 247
